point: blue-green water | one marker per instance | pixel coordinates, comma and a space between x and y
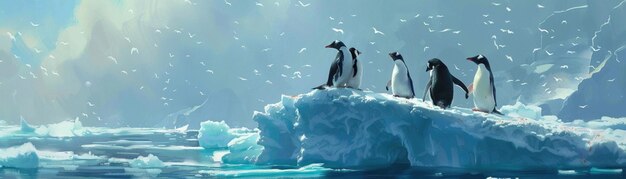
110, 154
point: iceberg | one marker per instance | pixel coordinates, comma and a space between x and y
344, 128
23, 156
214, 134
243, 150
25, 127
149, 161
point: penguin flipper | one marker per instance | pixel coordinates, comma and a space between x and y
411, 84
493, 86
354, 68
430, 82
459, 83
331, 73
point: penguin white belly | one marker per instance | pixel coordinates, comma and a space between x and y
483, 92
346, 75
400, 80
355, 82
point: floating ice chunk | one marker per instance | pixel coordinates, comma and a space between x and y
214, 134
67, 129
24, 156
243, 150
25, 127
521, 110
149, 161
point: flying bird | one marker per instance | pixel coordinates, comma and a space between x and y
11, 36
259, 4
302, 50
113, 59
33, 24
228, 3
303, 5
509, 57
376, 31
338, 30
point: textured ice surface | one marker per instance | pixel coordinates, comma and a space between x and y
345, 128
521, 110
241, 142
214, 134
243, 150
149, 161
23, 156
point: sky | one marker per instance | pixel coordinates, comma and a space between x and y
169, 63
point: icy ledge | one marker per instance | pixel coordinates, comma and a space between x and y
344, 128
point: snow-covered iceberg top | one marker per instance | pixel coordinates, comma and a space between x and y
345, 128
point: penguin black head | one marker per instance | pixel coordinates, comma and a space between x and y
433, 63
395, 56
354, 52
478, 59
336, 45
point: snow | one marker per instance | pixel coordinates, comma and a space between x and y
23, 156
149, 161
344, 128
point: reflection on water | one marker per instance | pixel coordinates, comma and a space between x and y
109, 155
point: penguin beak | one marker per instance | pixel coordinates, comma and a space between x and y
470, 59
428, 68
328, 46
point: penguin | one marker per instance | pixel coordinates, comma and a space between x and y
483, 88
355, 81
341, 69
401, 83
441, 84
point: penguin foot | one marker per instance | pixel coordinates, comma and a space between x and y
497, 112
320, 87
